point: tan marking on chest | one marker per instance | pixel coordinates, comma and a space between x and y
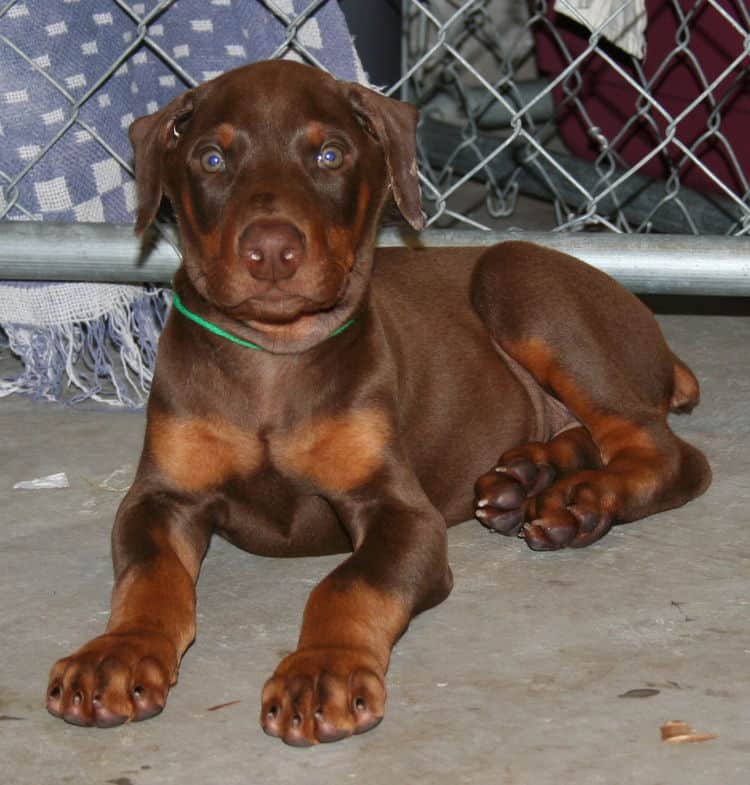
197, 454
336, 453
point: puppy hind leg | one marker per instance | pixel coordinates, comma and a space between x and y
598, 350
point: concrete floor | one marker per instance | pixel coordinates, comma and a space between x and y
514, 680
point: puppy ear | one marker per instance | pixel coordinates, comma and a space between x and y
394, 124
150, 136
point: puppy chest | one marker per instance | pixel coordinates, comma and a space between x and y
335, 453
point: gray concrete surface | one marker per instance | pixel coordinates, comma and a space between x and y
514, 680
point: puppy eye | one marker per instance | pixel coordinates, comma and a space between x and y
213, 161
330, 157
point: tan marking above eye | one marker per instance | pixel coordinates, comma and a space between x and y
197, 454
336, 453
315, 133
225, 135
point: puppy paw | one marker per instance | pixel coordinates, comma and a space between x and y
114, 678
500, 495
573, 513
322, 695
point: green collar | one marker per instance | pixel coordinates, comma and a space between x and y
212, 328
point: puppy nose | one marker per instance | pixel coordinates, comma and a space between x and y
272, 250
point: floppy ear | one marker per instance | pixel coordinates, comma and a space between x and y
150, 136
394, 124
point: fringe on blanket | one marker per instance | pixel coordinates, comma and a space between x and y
79, 342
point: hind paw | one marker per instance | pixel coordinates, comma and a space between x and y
501, 495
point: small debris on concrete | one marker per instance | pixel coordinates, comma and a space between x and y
119, 480
50, 481
679, 732
223, 705
641, 692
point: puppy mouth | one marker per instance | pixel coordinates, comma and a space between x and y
280, 308
277, 307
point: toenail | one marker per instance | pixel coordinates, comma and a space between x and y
359, 704
273, 712
55, 693
77, 698
138, 691
296, 721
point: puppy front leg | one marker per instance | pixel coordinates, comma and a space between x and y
125, 674
333, 685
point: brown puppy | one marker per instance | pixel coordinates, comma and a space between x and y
362, 400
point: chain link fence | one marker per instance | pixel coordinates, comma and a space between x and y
520, 101
531, 100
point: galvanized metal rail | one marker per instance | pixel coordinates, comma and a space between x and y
655, 264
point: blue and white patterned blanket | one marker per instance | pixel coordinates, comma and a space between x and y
76, 68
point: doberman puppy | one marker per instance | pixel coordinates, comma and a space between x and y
315, 395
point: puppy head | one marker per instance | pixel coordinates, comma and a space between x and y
277, 174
